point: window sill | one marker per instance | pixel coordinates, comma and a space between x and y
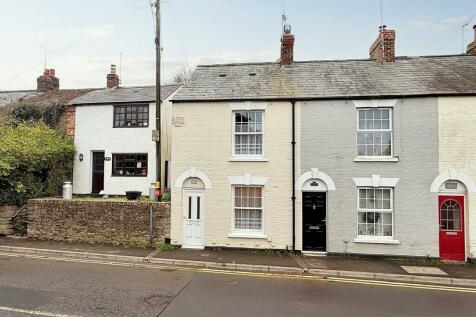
376, 159
376, 241
248, 159
248, 235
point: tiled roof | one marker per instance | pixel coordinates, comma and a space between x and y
408, 76
53, 101
124, 94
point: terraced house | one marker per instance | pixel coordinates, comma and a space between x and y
113, 136
372, 156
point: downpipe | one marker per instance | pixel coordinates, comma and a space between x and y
293, 163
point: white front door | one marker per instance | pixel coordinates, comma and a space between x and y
193, 219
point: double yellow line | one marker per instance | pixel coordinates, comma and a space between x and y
336, 280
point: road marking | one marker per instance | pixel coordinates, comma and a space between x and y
35, 312
252, 274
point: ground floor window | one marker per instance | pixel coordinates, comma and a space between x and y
375, 212
247, 208
130, 164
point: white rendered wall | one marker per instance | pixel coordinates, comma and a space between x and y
94, 132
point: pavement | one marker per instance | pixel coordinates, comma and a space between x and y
461, 274
45, 287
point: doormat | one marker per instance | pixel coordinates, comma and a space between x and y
427, 270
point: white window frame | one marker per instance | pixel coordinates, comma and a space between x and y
390, 129
374, 238
246, 233
247, 157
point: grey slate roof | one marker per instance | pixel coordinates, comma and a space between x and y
408, 76
7, 97
124, 94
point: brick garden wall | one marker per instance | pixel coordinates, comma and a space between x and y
98, 221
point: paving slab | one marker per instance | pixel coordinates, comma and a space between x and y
424, 270
231, 256
75, 247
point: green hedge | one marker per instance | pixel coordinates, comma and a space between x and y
34, 161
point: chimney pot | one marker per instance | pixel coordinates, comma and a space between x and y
287, 46
471, 49
383, 48
47, 81
112, 79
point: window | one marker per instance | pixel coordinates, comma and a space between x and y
375, 212
248, 208
374, 132
451, 215
248, 133
128, 116
129, 165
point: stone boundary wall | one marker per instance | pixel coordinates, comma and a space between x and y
98, 221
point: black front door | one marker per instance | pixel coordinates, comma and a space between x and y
98, 172
314, 221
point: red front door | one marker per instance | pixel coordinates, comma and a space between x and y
451, 215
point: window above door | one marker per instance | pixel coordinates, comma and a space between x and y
248, 132
374, 133
131, 116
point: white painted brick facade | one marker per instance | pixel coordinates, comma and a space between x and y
204, 141
457, 135
328, 142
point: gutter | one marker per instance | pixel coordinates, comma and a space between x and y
284, 99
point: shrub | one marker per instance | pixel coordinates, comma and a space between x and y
34, 161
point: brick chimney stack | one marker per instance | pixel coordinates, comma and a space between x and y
471, 49
287, 46
47, 81
112, 78
383, 49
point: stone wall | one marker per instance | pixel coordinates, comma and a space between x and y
98, 221
6, 214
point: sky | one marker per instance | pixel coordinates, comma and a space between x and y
82, 38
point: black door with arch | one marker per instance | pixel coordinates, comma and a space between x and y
314, 221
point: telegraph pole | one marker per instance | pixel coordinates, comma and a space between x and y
158, 101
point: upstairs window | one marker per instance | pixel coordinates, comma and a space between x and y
248, 133
374, 132
130, 116
129, 165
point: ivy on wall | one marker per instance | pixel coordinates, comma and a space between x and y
34, 161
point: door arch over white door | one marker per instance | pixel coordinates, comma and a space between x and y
194, 184
193, 218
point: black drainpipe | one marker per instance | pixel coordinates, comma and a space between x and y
293, 160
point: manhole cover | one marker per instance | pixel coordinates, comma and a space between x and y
427, 270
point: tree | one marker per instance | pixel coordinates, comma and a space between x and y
183, 75
34, 161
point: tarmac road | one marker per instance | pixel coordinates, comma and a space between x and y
35, 287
